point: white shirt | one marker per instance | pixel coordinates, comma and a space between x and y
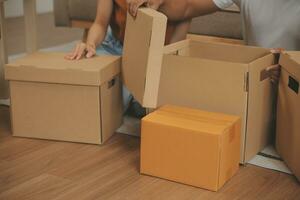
269, 23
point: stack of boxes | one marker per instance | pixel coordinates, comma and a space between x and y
80, 101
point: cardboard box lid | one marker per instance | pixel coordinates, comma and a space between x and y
192, 119
53, 68
143, 53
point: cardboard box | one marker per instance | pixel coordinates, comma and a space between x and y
53, 98
215, 77
190, 146
288, 112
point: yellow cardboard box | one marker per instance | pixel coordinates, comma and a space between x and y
190, 146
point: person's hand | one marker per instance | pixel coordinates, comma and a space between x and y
274, 70
133, 5
82, 49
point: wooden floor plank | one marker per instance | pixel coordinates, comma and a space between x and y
40, 169
44, 186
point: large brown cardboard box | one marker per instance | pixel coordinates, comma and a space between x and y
288, 111
190, 146
215, 77
53, 98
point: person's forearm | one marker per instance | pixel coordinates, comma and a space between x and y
180, 32
195, 8
180, 10
96, 34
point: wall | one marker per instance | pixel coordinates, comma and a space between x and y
14, 8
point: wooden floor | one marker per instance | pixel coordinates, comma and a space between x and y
42, 170
48, 34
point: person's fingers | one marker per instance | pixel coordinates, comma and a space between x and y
276, 50
131, 8
91, 51
80, 52
134, 9
153, 5
274, 80
68, 56
273, 68
74, 53
134, 6
274, 71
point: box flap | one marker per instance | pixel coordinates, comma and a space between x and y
53, 68
290, 61
226, 52
260, 108
142, 55
288, 112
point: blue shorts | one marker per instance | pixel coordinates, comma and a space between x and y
110, 45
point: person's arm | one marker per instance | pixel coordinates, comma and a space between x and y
180, 31
195, 8
191, 8
133, 5
96, 33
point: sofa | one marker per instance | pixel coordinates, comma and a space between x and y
80, 14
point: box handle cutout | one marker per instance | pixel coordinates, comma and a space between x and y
111, 83
293, 84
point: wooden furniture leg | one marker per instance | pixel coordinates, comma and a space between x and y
3, 53
30, 25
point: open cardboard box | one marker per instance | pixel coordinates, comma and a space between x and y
57, 99
288, 112
215, 77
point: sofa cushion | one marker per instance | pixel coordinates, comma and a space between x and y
220, 24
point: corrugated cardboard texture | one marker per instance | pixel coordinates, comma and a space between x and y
111, 107
288, 112
56, 111
53, 68
142, 55
190, 146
